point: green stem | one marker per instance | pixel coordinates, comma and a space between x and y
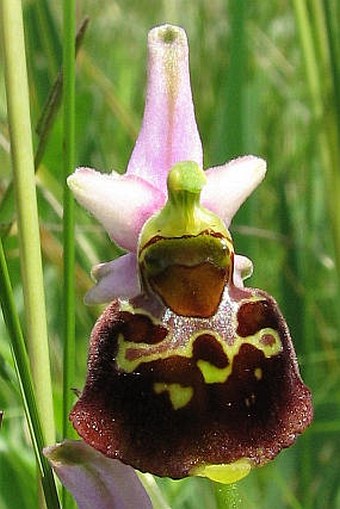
69, 249
309, 54
49, 41
68, 219
23, 371
43, 129
227, 496
331, 15
234, 99
52, 105
27, 212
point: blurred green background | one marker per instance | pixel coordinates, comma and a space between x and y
264, 78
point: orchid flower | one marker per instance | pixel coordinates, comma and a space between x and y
189, 372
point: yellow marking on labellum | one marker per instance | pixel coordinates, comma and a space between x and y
266, 340
224, 473
268, 349
212, 374
162, 350
179, 396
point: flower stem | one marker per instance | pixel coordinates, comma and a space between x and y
27, 211
227, 496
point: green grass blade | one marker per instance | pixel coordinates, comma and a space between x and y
308, 49
332, 13
48, 35
43, 129
68, 225
68, 219
25, 382
26, 203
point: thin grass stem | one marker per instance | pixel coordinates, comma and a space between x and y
331, 10
68, 225
309, 54
27, 211
46, 35
318, 68
69, 49
23, 371
327, 120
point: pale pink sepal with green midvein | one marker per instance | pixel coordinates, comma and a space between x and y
169, 131
96, 482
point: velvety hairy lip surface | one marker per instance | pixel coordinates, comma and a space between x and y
260, 407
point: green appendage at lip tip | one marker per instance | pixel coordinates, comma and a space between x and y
183, 214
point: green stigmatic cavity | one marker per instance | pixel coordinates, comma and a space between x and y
185, 252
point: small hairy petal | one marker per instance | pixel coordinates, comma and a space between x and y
115, 279
94, 480
229, 185
169, 132
120, 203
243, 268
